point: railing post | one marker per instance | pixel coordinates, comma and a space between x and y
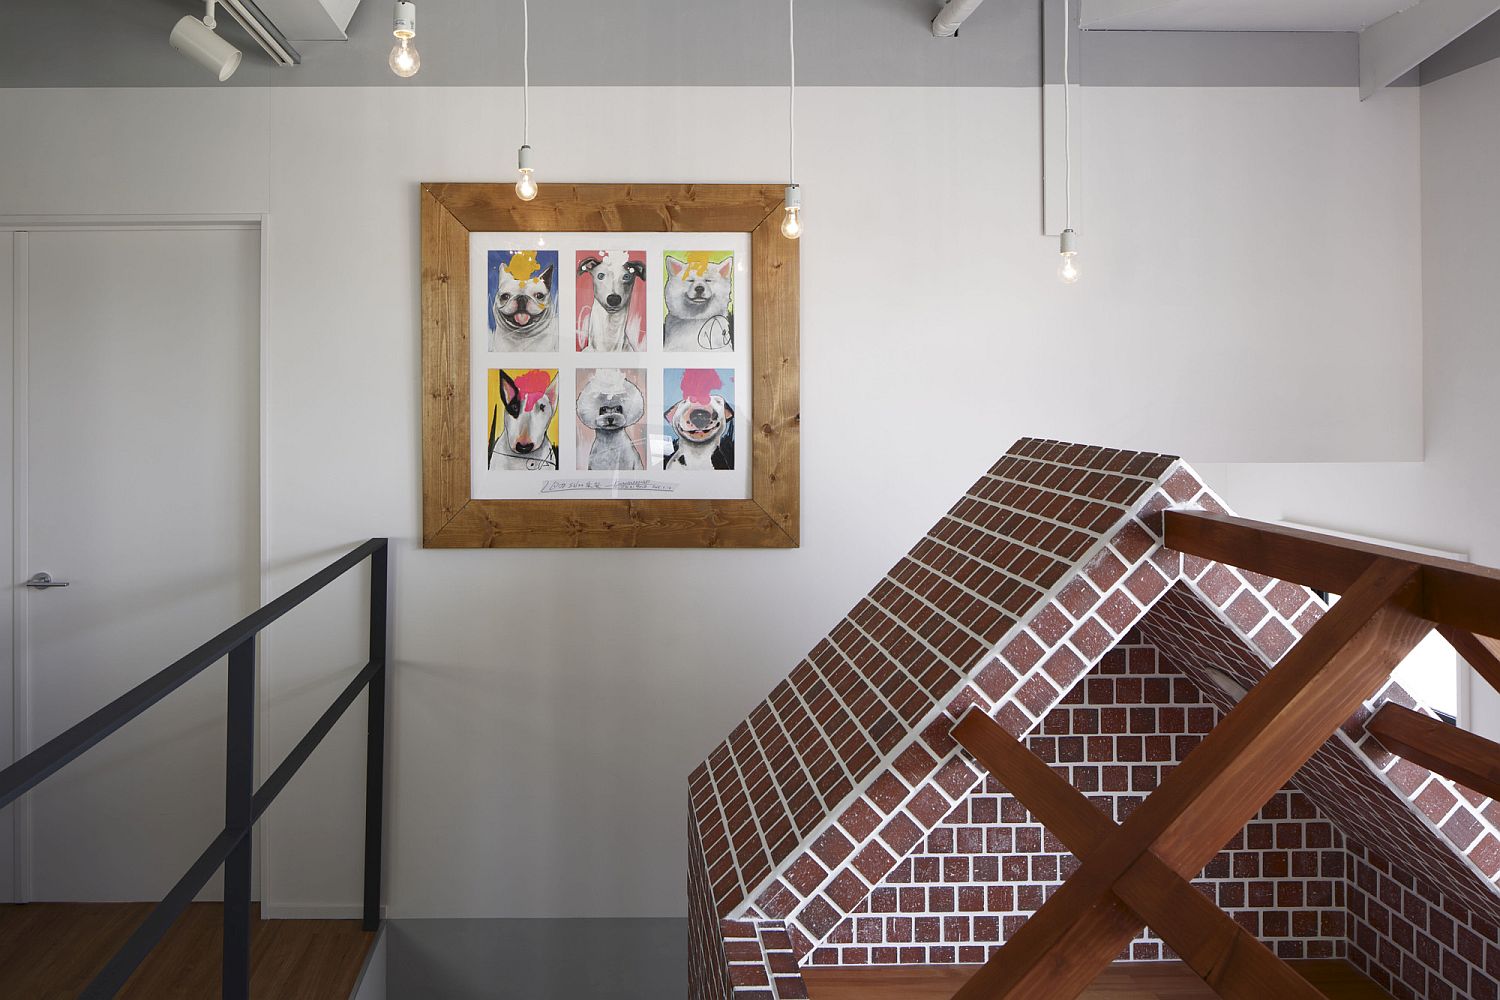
375, 739
239, 788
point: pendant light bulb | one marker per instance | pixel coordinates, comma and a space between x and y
525, 184
791, 223
405, 60
1067, 253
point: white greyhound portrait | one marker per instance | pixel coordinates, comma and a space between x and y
611, 316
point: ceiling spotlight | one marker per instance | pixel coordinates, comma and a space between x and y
405, 61
196, 40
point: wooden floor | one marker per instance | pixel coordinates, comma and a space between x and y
49, 951
1132, 981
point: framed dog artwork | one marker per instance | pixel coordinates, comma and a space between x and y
609, 366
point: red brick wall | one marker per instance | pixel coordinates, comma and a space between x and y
1416, 941
988, 865
708, 967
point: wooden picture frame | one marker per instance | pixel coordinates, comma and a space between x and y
452, 518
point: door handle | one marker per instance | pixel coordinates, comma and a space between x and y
44, 581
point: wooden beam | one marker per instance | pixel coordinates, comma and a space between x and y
1224, 954
1452, 593
1283, 720
1217, 789
1479, 651
1062, 809
1461, 756
1231, 960
1391, 48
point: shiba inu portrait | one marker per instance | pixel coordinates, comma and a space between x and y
700, 302
523, 300
610, 407
523, 419
700, 422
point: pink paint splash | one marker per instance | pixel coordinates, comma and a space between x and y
533, 386
698, 384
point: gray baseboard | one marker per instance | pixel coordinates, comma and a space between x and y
513, 959
371, 982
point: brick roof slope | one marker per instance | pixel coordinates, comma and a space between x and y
1048, 560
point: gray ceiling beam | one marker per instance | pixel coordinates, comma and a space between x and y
1391, 48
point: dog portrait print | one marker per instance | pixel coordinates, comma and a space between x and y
699, 418
611, 431
523, 300
523, 419
611, 300
699, 294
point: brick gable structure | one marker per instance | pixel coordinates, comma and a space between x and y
843, 794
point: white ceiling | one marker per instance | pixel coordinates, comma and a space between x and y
1237, 15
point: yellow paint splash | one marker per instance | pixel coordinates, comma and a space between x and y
697, 262
523, 264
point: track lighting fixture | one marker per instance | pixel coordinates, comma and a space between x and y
405, 60
196, 39
791, 223
525, 183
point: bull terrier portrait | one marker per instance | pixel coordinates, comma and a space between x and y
523, 316
612, 320
609, 404
698, 296
701, 424
520, 423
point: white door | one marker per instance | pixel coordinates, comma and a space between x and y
138, 483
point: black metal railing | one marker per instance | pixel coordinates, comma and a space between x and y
243, 803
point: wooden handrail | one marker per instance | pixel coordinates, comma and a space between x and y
1456, 754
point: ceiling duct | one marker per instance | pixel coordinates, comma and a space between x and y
953, 14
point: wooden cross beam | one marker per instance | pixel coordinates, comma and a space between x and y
1455, 594
1460, 756
1199, 806
1209, 941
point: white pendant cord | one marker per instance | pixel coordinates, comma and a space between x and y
791, 93
1067, 123
525, 73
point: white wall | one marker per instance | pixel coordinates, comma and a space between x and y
1450, 500
1252, 266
